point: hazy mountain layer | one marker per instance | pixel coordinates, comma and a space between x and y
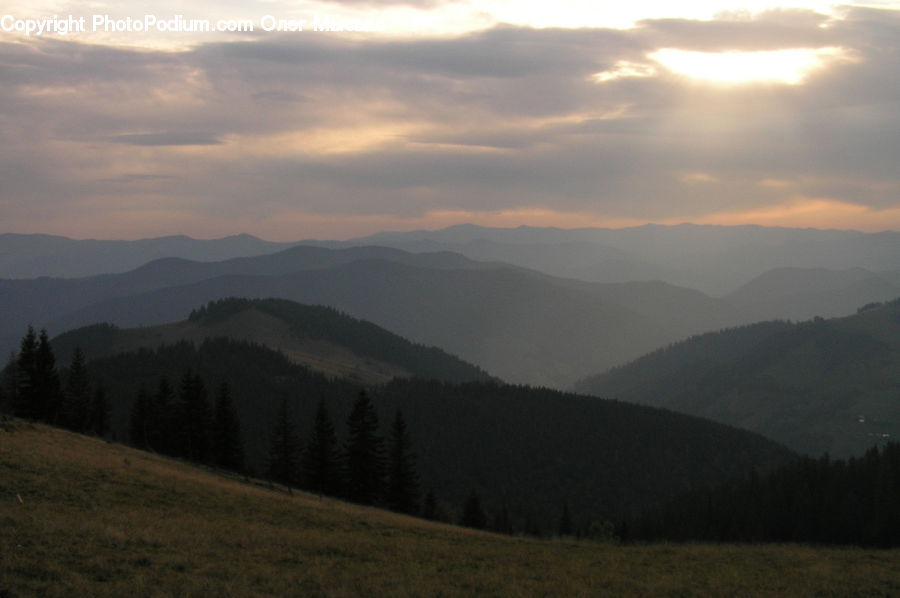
319, 338
823, 385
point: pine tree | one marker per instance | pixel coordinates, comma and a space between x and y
363, 453
27, 402
48, 392
228, 448
403, 482
502, 521
473, 514
565, 522
9, 385
141, 419
196, 419
321, 465
98, 413
162, 434
75, 408
284, 448
429, 507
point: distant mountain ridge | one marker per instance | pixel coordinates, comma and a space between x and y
32, 256
816, 386
521, 325
316, 337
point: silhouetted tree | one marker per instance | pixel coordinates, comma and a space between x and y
473, 514
363, 453
565, 527
195, 419
321, 464
98, 413
141, 420
429, 507
75, 409
228, 447
284, 449
403, 481
502, 522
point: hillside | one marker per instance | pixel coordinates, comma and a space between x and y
521, 325
822, 385
542, 447
317, 337
802, 293
88, 518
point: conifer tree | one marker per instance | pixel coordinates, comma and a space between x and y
403, 481
98, 413
473, 513
141, 420
75, 409
429, 507
321, 465
363, 453
27, 401
162, 433
228, 448
9, 384
196, 419
284, 449
502, 521
49, 391
565, 522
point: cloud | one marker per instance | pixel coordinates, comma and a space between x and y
509, 120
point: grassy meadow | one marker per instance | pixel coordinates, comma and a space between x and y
82, 517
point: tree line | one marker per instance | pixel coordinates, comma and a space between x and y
822, 501
33, 388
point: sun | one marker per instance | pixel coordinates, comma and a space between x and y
790, 66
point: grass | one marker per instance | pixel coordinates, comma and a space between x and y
99, 519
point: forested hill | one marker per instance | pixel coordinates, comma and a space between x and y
535, 449
816, 386
318, 337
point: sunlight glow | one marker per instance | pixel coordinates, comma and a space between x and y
784, 66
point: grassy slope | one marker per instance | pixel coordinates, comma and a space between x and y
105, 520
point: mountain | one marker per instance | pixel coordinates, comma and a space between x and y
90, 518
32, 256
534, 448
317, 337
521, 325
713, 259
820, 385
802, 293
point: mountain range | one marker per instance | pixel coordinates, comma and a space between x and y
816, 386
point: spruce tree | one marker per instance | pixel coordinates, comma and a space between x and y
284, 449
321, 465
27, 400
98, 413
403, 481
196, 419
75, 410
47, 380
363, 453
565, 522
141, 420
162, 427
429, 507
473, 514
10, 385
228, 448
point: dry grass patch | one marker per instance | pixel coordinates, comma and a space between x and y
99, 519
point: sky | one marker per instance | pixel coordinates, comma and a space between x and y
429, 113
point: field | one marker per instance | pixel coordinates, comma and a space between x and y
82, 517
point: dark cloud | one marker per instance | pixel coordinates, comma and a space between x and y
499, 119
